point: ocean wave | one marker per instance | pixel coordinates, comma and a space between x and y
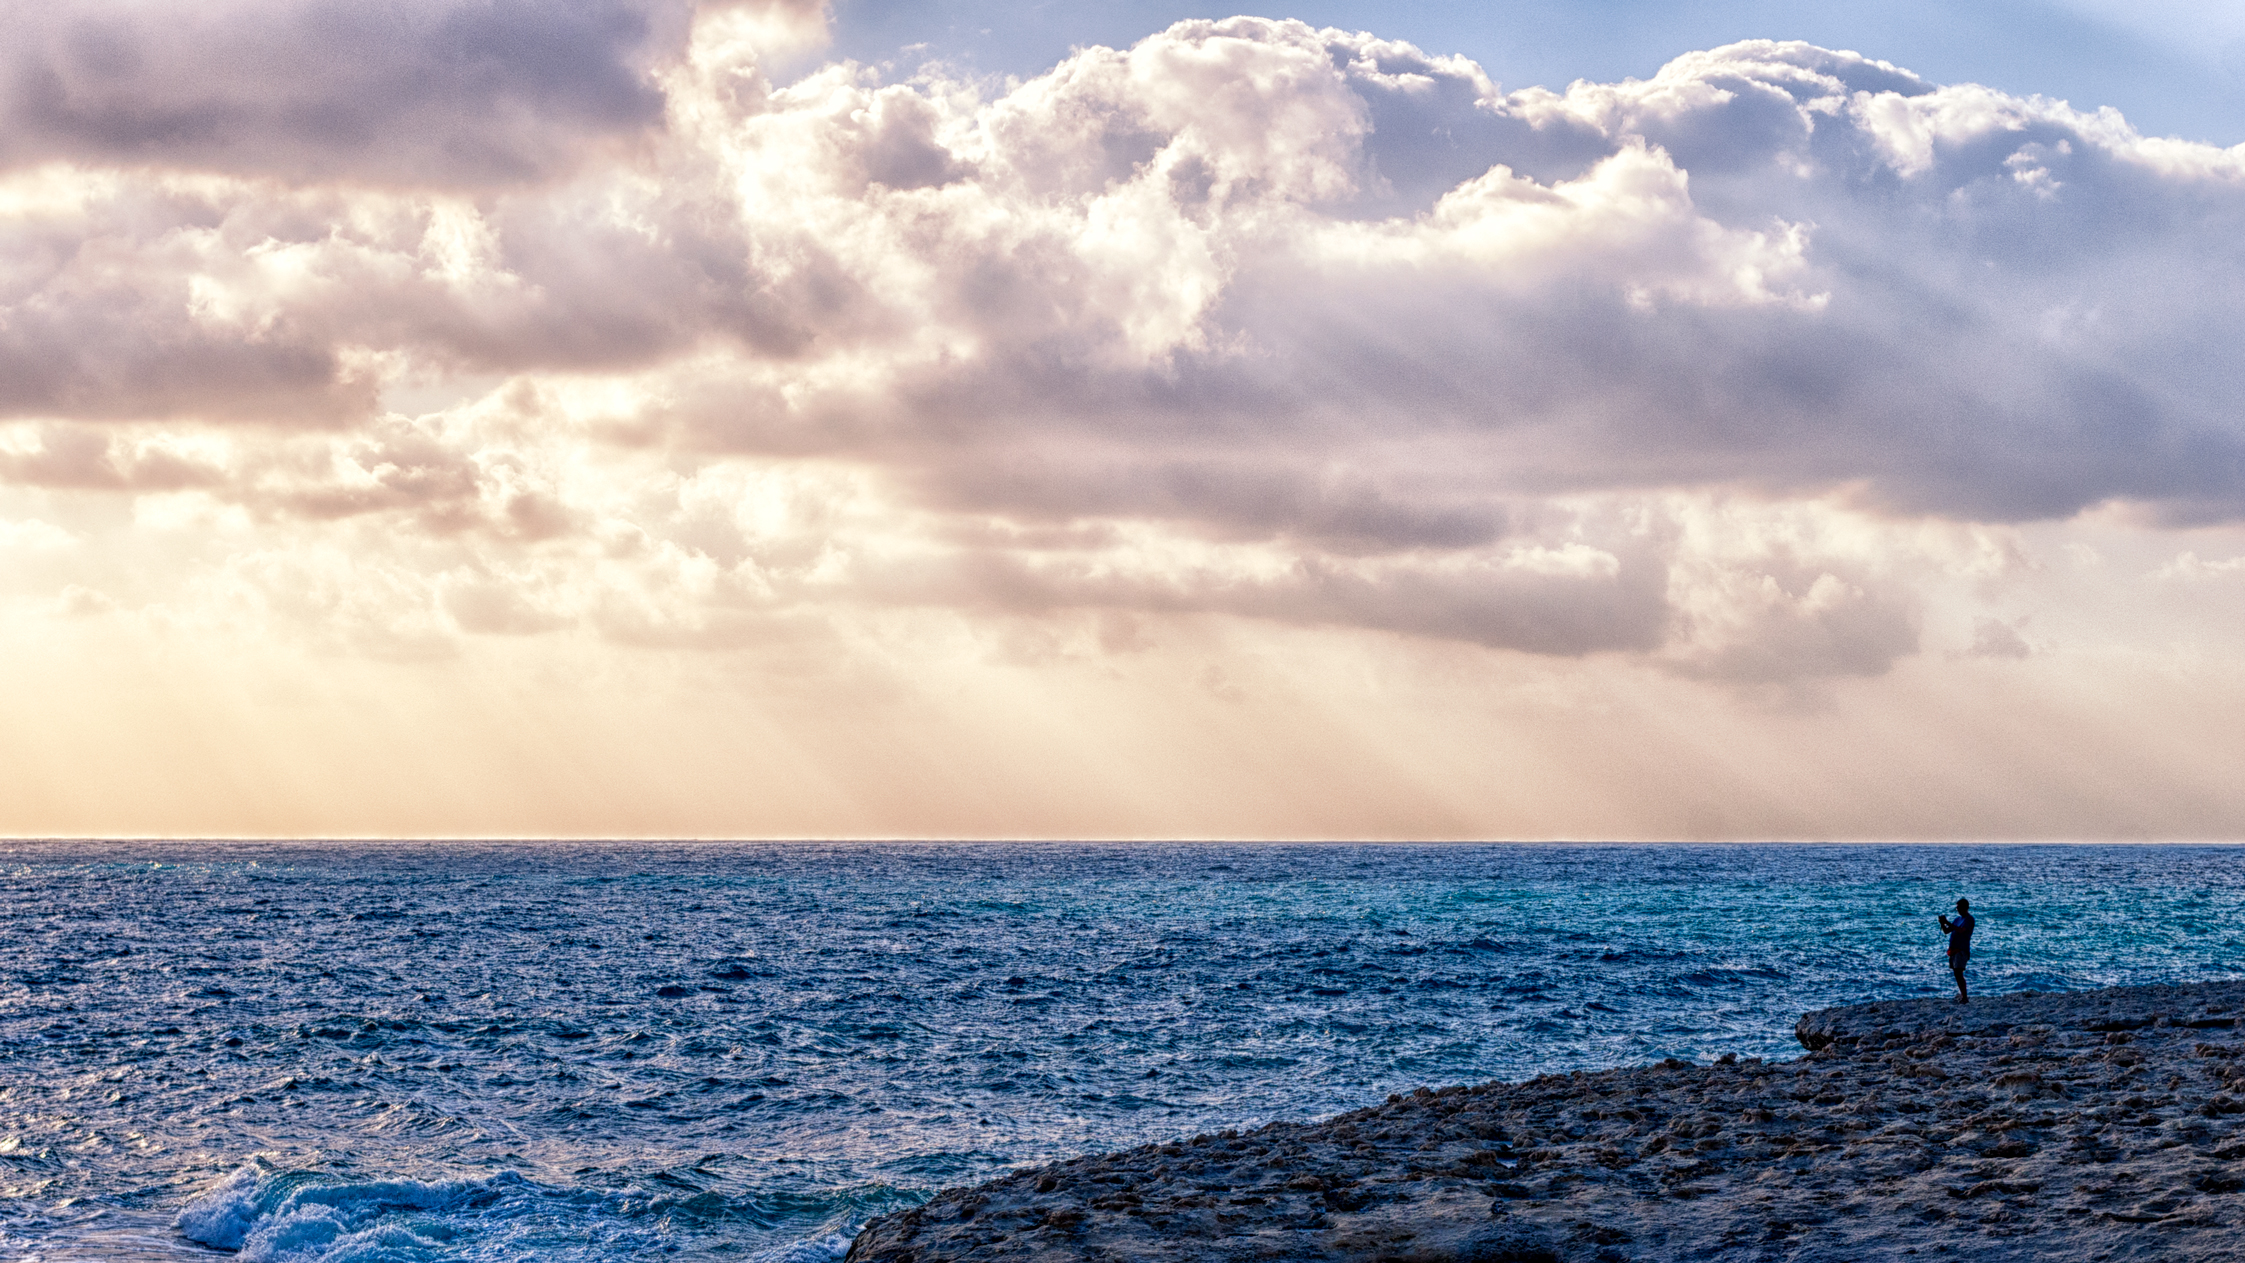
272, 1216
534, 1040
268, 1215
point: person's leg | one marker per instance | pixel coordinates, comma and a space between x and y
1956, 967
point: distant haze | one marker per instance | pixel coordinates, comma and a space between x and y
640, 417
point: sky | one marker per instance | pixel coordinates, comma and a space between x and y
2173, 67
629, 418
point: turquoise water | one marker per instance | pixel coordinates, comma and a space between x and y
573, 1052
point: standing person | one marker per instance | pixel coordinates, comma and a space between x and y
1960, 943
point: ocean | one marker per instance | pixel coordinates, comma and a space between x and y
388, 1053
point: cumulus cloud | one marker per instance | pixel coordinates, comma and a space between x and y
1249, 319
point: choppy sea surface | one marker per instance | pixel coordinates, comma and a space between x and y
563, 1052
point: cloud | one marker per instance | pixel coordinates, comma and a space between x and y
1248, 320
2188, 567
34, 536
419, 92
1995, 638
78, 602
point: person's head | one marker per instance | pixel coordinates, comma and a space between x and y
1964, 905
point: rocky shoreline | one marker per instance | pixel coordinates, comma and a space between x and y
2103, 1125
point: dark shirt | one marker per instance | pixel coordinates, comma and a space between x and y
1960, 934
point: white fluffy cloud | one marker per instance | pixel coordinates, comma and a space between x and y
441, 323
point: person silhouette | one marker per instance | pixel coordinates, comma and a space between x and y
1960, 944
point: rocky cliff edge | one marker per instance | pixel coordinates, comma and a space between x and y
2103, 1125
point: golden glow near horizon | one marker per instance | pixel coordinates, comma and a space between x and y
1256, 432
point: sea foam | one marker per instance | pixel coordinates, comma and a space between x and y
303, 1216
294, 1216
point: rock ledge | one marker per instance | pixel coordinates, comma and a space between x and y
2090, 1126
2206, 1006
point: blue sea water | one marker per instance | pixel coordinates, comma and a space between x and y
562, 1052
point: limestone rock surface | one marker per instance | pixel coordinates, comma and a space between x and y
2104, 1125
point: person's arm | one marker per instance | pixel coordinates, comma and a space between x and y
1943, 918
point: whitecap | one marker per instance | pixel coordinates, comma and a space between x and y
301, 1216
